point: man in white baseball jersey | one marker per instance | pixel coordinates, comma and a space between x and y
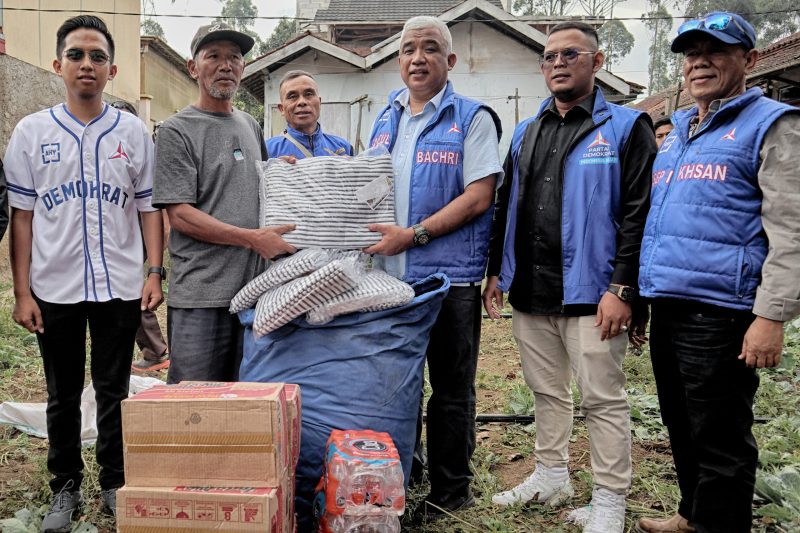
78, 176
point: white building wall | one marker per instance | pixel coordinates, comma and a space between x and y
490, 67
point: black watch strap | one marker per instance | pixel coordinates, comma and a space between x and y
623, 292
161, 271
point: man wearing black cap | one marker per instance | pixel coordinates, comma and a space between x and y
720, 263
205, 178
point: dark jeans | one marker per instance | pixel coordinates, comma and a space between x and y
205, 344
706, 396
112, 326
452, 361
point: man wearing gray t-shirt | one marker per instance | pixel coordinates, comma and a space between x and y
206, 180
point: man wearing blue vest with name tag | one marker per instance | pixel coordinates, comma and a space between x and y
720, 264
303, 136
444, 150
565, 245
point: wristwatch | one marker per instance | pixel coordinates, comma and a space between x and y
161, 271
421, 235
623, 292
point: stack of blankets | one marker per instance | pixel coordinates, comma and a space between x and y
322, 284
331, 201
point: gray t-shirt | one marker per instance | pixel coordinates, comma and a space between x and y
208, 160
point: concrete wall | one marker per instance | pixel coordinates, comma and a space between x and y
26, 89
490, 67
31, 35
306, 9
167, 89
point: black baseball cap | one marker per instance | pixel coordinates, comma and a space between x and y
728, 28
219, 31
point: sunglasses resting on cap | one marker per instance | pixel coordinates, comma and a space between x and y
728, 28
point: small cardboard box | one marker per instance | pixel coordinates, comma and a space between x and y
206, 433
293, 415
187, 509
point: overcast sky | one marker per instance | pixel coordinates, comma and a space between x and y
179, 31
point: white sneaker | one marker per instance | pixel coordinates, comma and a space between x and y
543, 486
607, 512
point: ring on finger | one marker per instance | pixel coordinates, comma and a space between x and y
623, 328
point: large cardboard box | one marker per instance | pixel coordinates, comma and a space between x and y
206, 433
200, 510
293, 415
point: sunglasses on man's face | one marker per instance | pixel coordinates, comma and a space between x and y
97, 57
568, 56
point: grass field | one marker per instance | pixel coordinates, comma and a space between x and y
503, 458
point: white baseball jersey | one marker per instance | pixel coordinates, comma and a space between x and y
85, 184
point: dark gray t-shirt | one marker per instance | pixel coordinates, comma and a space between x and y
208, 160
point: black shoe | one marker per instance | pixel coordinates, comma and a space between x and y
430, 509
59, 516
109, 498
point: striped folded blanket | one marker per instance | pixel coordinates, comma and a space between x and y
286, 269
331, 200
376, 291
281, 305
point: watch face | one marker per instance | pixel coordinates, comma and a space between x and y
423, 238
627, 294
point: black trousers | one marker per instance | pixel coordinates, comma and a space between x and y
706, 396
112, 327
452, 361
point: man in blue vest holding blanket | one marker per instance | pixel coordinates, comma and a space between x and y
720, 264
565, 245
445, 153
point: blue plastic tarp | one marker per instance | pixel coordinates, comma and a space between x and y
359, 371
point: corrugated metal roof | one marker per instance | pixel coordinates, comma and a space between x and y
383, 11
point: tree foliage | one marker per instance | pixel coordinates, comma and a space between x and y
149, 25
615, 40
283, 32
779, 18
663, 66
152, 27
542, 7
598, 8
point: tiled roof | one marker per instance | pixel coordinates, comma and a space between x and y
383, 11
780, 54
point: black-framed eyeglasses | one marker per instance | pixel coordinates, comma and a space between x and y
568, 55
97, 57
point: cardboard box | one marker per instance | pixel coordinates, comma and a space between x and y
293, 415
206, 433
187, 509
